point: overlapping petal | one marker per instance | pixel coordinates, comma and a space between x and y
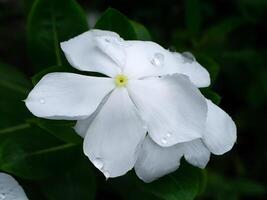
113, 137
95, 50
196, 153
172, 107
10, 189
145, 59
155, 161
67, 95
220, 133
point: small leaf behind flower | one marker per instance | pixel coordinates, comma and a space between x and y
31, 153
49, 23
185, 183
115, 21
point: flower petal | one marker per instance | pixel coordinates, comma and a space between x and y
190, 67
86, 52
113, 137
145, 59
82, 125
67, 95
155, 161
196, 153
10, 189
220, 134
172, 107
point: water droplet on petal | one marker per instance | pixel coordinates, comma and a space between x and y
164, 140
169, 134
188, 57
106, 174
157, 60
42, 101
98, 163
107, 40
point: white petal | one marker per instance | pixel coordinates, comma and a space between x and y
220, 134
114, 47
86, 52
140, 58
82, 125
10, 189
155, 161
113, 137
197, 74
67, 95
196, 153
172, 107
146, 59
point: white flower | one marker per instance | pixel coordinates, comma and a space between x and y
148, 90
10, 189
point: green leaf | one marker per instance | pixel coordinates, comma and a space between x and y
63, 130
141, 31
77, 183
185, 183
193, 16
211, 65
31, 153
27, 5
14, 88
215, 35
49, 23
221, 187
213, 96
113, 20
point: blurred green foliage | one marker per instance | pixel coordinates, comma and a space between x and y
227, 37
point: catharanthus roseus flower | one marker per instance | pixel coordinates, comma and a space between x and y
146, 114
10, 189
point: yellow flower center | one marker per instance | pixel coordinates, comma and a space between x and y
121, 80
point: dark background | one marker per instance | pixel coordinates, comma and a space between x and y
232, 33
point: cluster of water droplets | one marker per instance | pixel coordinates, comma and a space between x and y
164, 140
98, 163
158, 60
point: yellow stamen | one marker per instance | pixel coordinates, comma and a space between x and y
121, 80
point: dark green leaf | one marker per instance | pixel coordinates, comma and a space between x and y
213, 96
31, 153
222, 187
211, 65
14, 88
186, 183
115, 21
49, 23
141, 31
216, 35
28, 5
77, 183
63, 130
193, 16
